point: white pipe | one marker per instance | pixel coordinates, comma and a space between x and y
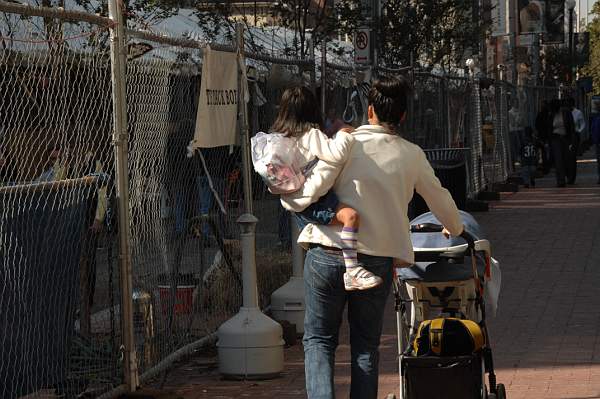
165, 364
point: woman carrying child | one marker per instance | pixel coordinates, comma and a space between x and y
377, 180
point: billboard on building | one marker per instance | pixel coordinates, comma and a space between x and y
555, 22
531, 16
500, 17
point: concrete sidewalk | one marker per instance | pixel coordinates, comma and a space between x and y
546, 337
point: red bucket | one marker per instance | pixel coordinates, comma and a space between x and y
184, 298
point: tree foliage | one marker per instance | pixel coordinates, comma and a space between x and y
143, 13
437, 33
555, 65
315, 19
593, 68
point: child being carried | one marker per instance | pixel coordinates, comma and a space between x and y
284, 158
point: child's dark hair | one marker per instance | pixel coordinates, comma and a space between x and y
298, 112
529, 132
389, 98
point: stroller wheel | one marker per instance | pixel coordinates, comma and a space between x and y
500, 391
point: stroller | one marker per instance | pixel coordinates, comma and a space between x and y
446, 281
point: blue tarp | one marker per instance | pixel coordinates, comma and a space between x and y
41, 233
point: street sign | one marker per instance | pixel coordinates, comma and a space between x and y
500, 12
362, 46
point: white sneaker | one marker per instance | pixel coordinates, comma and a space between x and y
360, 279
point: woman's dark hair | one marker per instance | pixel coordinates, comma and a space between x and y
298, 112
389, 98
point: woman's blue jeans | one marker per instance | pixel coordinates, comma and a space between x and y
326, 299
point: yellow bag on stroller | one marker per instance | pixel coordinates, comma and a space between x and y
448, 337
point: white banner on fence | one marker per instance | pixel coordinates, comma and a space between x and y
216, 121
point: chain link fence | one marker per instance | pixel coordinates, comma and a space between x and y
58, 236
59, 280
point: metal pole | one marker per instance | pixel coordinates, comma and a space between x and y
243, 121
513, 47
313, 74
536, 59
247, 224
323, 77
571, 46
120, 137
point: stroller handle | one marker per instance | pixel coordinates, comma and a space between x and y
438, 228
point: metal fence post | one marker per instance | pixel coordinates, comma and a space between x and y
313, 72
243, 121
120, 137
323, 77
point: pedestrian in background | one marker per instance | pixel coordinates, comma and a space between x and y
595, 132
543, 126
579, 121
563, 130
56, 166
515, 131
529, 156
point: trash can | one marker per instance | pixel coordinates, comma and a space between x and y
450, 166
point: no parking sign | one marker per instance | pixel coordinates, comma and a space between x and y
362, 46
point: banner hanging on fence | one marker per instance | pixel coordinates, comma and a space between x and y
216, 121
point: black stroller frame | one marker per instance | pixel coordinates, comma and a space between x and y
478, 363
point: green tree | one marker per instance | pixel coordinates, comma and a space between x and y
555, 65
593, 68
315, 19
437, 33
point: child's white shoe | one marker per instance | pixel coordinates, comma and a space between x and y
359, 278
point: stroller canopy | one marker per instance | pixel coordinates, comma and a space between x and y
442, 270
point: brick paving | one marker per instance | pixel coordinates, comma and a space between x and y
546, 336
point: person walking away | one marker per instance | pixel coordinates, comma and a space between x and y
560, 140
572, 143
543, 126
529, 155
514, 126
579, 121
595, 132
379, 179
